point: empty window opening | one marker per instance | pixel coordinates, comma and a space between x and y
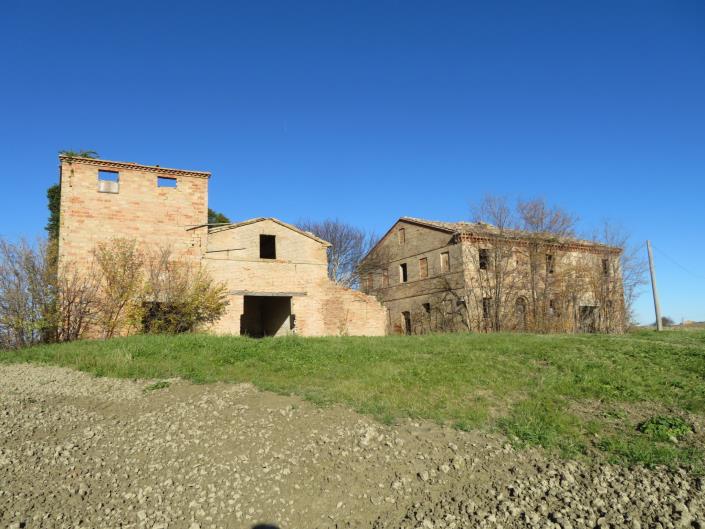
108, 176
165, 181
484, 257
406, 322
486, 308
267, 247
549, 263
403, 277
423, 267
266, 316
445, 262
402, 235
385, 278
108, 182
426, 307
606, 267
370, 282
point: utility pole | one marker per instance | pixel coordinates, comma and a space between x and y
657, 304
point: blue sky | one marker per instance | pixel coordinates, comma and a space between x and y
368, 111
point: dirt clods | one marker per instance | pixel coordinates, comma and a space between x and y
80, 451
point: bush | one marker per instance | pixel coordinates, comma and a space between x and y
178, 296
662, 428
123, 289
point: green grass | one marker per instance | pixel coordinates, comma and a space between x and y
576, 395
162, 384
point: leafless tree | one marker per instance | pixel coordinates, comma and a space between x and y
543, 226
26, 293
494, 282
630, 266
119, 263
77, 301
349, 245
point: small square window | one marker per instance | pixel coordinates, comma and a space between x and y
165, 181
267, 247
108, 182
426, 308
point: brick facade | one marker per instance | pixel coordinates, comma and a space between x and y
444, 286
292, 288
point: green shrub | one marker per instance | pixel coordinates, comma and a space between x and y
162, 384
662, 428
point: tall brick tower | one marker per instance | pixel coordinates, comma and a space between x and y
156, 206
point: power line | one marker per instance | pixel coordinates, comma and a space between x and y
678, 264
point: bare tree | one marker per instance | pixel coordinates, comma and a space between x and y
77, 301
119, 263
26, 293
630, 267
543, 226
349, 245
493, 277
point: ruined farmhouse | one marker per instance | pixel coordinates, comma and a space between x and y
453, 276
276, 274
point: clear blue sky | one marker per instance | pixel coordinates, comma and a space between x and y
368, 111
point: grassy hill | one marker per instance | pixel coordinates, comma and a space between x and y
634, 398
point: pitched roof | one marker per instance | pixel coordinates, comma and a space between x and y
308, 234
454, 227
482, 229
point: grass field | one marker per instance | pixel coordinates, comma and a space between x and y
630, 398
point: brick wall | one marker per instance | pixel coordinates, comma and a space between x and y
169, 216
155, 216
299, 271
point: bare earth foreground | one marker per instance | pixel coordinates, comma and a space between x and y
82, 451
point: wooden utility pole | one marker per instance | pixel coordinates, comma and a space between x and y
657, 304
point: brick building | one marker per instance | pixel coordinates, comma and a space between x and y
276, 274
445, 276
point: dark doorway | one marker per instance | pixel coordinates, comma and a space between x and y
587, 321
406, 322
520, 313
266, 316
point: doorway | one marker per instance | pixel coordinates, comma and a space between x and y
266, 316
520, 314
406, 322
587, 322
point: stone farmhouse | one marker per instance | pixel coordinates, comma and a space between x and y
445, 276
276, 274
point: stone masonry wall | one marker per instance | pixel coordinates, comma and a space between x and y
435, 289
